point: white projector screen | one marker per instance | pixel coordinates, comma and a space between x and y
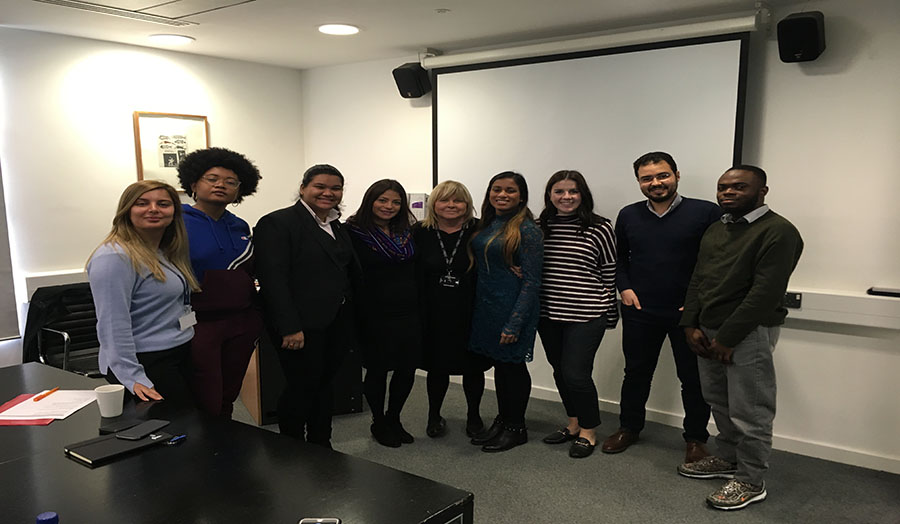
595, 114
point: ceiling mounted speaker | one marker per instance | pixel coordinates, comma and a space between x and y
412, 80
801, 37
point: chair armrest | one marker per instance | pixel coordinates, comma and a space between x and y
66, 341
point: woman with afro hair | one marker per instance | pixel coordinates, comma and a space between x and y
228, 316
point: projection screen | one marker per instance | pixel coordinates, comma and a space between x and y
594, 112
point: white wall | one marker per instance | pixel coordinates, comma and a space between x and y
355, 119
67, 142
827, 133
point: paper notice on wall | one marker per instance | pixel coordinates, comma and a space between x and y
172, 148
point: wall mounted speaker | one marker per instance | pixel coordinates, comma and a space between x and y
801, 37
412, 80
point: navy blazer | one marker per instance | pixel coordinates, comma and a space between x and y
301, 280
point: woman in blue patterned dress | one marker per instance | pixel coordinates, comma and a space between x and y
507, 250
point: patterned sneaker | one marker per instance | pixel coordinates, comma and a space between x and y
736, 495
711, 467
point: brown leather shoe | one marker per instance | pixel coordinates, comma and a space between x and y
695, 451
619, 441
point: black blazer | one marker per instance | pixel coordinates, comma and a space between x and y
301, 280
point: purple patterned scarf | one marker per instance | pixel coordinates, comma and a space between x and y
396, 246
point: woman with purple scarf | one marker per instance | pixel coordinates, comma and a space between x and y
390, 329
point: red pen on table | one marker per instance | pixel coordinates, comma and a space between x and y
45, 395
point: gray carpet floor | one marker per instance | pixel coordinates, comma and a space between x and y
538, 483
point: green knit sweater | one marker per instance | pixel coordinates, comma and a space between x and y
741, 276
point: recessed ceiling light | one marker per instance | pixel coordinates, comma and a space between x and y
338, 29
172, 39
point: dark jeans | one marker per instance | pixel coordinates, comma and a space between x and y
642, 338
513, 383
169, 370
571, 348
307, 402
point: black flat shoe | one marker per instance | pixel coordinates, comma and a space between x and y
560, 436
581, 448
436, 429
490, 434
474, 427
384, 435
508, 439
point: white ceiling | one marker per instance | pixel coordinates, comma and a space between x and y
283, 32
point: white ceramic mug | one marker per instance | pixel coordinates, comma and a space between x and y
110, 399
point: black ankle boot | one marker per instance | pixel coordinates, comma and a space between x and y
490, 434
393, 422
384, 434
508, 439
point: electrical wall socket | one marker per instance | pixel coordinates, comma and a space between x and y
792, 300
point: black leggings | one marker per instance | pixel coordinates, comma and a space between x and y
375, 389
513, 389
473, 387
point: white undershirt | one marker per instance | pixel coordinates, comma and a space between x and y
326, 225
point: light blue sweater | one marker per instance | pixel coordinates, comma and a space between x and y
136, 313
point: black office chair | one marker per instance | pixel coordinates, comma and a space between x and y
61, 330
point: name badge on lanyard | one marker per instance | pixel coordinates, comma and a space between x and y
189, 317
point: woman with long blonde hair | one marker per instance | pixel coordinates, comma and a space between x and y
507, 251
141, 280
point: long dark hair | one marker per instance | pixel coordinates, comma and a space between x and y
512, 230
364, 218
585, 211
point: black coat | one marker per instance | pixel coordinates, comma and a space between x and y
304, 274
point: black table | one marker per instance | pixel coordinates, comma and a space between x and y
224, 472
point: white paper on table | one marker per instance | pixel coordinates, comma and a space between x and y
59, 404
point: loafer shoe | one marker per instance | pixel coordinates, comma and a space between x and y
436, 429
619, 441
581, 448
508, 439
560, 436
694, 451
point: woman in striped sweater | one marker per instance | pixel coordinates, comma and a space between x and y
578, 301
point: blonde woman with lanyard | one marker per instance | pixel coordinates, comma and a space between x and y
447, 291
141, 280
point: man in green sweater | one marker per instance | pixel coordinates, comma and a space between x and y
732, 313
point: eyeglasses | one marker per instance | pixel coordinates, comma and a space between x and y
646, 179
230, 182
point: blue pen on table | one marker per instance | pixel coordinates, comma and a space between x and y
177, 439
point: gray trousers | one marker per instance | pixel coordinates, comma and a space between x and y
742, 398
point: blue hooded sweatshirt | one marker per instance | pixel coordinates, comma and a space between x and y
222, 260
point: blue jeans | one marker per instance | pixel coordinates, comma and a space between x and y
742, 397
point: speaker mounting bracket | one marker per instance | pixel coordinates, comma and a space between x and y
764, 16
